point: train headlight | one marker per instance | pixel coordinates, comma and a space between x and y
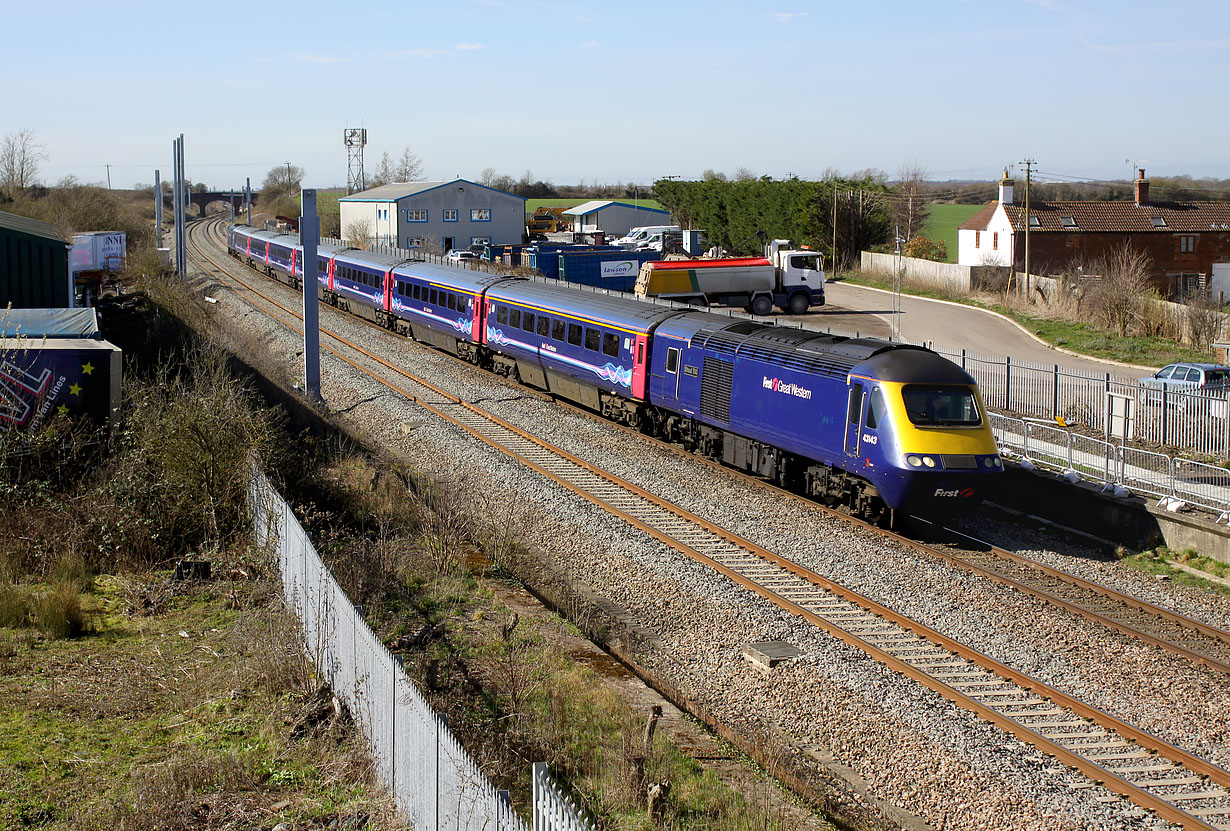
913, 461
928, 461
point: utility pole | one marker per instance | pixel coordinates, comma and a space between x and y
898, 272
1029, 163
158, 207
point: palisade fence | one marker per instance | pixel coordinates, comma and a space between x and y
434, 781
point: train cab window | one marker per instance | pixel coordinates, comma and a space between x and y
591, 339
557, 330
501, 314
544, 326
514, 318
610, 344
875, 409
672, 360
574, 334
929, 406
527, 322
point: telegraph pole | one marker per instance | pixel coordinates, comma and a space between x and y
1029, 163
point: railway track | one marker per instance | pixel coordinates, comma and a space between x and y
1177, 785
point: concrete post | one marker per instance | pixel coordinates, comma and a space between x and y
309, 236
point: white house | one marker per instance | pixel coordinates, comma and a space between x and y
615, 218
988, 237
435, 215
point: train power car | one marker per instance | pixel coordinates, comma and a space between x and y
866, 423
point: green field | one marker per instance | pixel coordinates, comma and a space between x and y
532, 205
942, 221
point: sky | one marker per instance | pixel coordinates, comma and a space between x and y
623, 92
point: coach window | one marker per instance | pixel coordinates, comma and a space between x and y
591, 339
672, 360
451, 301
544, 326
574, 334
610, 344
527, 322
514, 318
433, 298
501, 314
557, 330
415, 291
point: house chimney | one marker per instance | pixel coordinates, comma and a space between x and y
1005, 189
1142, 189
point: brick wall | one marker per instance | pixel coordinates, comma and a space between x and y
1050, 252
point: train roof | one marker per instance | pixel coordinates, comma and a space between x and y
836, 356
465, 279
371, 259
617, 309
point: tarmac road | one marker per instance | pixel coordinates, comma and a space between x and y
854, 309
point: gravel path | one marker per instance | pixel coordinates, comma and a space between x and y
917, 750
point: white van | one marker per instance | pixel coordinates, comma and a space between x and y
637, 237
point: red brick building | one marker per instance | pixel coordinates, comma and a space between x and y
1189, 242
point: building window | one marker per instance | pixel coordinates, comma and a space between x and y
415, 242
480, 214
1187, 244
995, 240
450, 214
480, 240
416, 215
978, 239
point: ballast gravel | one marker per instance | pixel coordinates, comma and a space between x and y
913, 748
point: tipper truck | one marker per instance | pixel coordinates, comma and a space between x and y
792, 279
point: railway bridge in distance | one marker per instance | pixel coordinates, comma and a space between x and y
235, 198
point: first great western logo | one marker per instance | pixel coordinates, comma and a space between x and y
786, 388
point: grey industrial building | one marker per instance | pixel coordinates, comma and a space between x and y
33, 264
436, 216
614, 218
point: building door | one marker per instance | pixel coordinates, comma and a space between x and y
448, 244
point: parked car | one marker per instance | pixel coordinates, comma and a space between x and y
458, 256
1212, 379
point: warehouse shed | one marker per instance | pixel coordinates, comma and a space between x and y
33, 264
614, 218
436, 216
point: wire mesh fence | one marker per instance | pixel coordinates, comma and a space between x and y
434, 780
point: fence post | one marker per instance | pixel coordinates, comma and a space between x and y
1007, 382
1165, 414
963, 359
1055, 386
537, 773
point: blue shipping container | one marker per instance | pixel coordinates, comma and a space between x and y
545, 256
614, 270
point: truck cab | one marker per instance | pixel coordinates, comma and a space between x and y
800, 277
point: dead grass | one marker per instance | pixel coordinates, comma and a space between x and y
174, 720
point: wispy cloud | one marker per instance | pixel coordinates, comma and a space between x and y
1154, 46
784, 16
589, 44
467, 47
322, 59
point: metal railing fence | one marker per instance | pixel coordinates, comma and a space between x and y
1182, 419
1144, 471
434, 781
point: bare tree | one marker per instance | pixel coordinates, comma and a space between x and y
283, 180
358, 232
487, 177
409, 167
1125, 288
20, 154
909, 207
384, 174
743, 174
711, 175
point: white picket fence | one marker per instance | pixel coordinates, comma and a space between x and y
434, 781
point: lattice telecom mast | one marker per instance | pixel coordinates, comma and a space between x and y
355, 139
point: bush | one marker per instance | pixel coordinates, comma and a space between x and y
927, 249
